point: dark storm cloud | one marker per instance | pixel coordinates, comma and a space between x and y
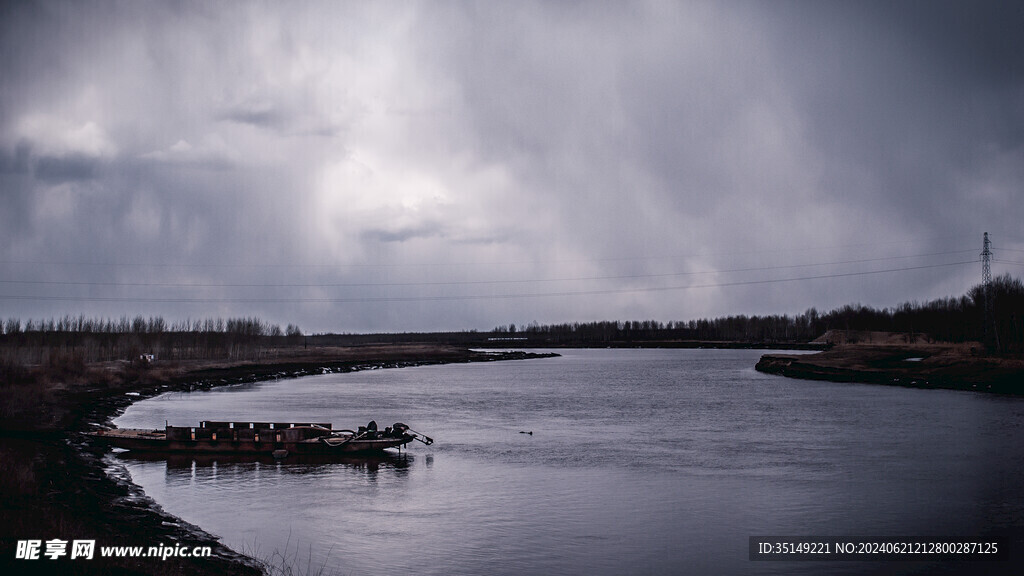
15, 190
16, 161
55, 170
911, 101
601, 150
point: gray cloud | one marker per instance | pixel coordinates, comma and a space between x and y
15, 161
59, 169
402, 234
257, 115
590, 159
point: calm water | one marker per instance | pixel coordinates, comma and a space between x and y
640, 462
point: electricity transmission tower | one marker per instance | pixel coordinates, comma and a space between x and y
988, 328
986, 267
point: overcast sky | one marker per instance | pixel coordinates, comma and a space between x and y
378, 166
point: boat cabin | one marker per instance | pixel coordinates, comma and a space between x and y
249, 431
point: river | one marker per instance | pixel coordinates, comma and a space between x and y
639, 462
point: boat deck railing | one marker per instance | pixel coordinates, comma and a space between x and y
261, 425
249, 431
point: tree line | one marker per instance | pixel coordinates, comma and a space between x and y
143, 325
83, 339
951, 319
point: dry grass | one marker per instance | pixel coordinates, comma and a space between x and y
289, 562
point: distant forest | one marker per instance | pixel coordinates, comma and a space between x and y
82, 339
953, 319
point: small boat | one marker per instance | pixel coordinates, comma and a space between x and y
276, 438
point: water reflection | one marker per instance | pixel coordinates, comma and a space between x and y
236, 467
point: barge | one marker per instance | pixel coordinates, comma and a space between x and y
277, 438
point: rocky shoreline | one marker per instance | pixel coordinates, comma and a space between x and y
58, 485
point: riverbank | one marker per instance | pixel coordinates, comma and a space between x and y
916, 365
671, 344
57, 485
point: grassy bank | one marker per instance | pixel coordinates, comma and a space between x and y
56, 485
898, 360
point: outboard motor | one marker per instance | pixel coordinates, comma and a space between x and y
400, 429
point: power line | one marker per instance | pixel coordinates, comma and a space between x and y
292, 265
469, 297
461, 282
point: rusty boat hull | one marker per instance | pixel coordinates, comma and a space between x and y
255, 438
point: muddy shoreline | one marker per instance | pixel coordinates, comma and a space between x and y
58, 485
949, 367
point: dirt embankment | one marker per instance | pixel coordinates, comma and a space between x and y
54, 484
903, 360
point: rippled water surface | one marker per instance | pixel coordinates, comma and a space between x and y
640, 462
